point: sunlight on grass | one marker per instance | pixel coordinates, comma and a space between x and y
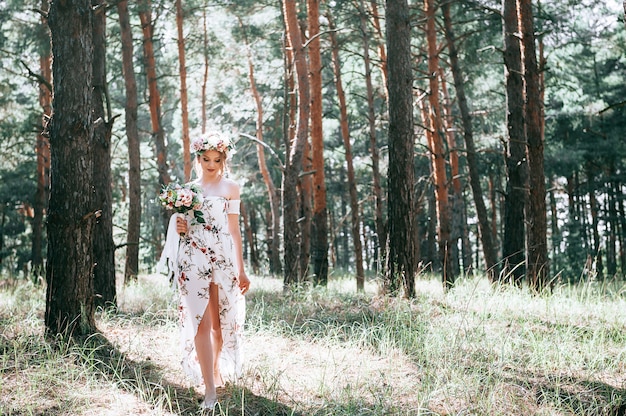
477, 350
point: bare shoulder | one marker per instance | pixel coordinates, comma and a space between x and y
232, 188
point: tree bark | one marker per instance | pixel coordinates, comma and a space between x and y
401, 258
71, 213
305, 185
42, 150
596, 251
345, 134
513, 244
103, 244
293, 166
205, 75
131, 267
456, 213
488, 245
536, 218
319, 234
437, 149
245, 219
182, 69
145, 15
382, 53
371, 118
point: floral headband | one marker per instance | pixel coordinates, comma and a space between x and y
211, 141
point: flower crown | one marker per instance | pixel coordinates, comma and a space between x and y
211, 141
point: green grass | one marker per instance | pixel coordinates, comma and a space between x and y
476, 350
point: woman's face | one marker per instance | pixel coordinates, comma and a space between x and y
211, 162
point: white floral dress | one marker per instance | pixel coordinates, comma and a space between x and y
206, 254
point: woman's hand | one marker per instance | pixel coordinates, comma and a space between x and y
181, 225
244, 283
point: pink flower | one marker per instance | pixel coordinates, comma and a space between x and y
185, 198
211, 141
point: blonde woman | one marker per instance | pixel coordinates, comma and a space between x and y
210, 273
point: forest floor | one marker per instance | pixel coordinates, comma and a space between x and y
476, 350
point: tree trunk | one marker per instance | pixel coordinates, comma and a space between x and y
513, 247
42, 150
536, 218
371, 118
613, 225
182, 69
293, 166
620, 222
274, 235
71, 213
253, 257
319, 240
345, 134
401, 253
382, 53
456, 214
437, 149
306, 198
145, 15
596, 251
131, 267
103, 244
489, 247
205, 75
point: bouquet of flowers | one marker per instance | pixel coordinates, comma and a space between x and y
182, 198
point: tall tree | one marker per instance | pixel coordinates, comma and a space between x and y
103, 245
145, 15
437, 148
272, 194
488, 245
345, 134
132, 134
205, 75
305, 189
182, 70
319, 235
371, 121
380, 40
42, 147
457, 225
537, 244
402, 249
293, 165
513, 247
71, 213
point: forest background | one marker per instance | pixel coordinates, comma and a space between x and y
507, 163
322, 193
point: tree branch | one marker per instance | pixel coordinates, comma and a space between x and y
37, 77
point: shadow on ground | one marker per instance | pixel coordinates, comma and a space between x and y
578, 395
144, 379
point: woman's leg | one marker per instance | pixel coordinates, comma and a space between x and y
204, 350
216, 333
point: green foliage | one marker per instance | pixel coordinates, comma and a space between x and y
584, 89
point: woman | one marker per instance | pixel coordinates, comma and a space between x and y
210, 274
